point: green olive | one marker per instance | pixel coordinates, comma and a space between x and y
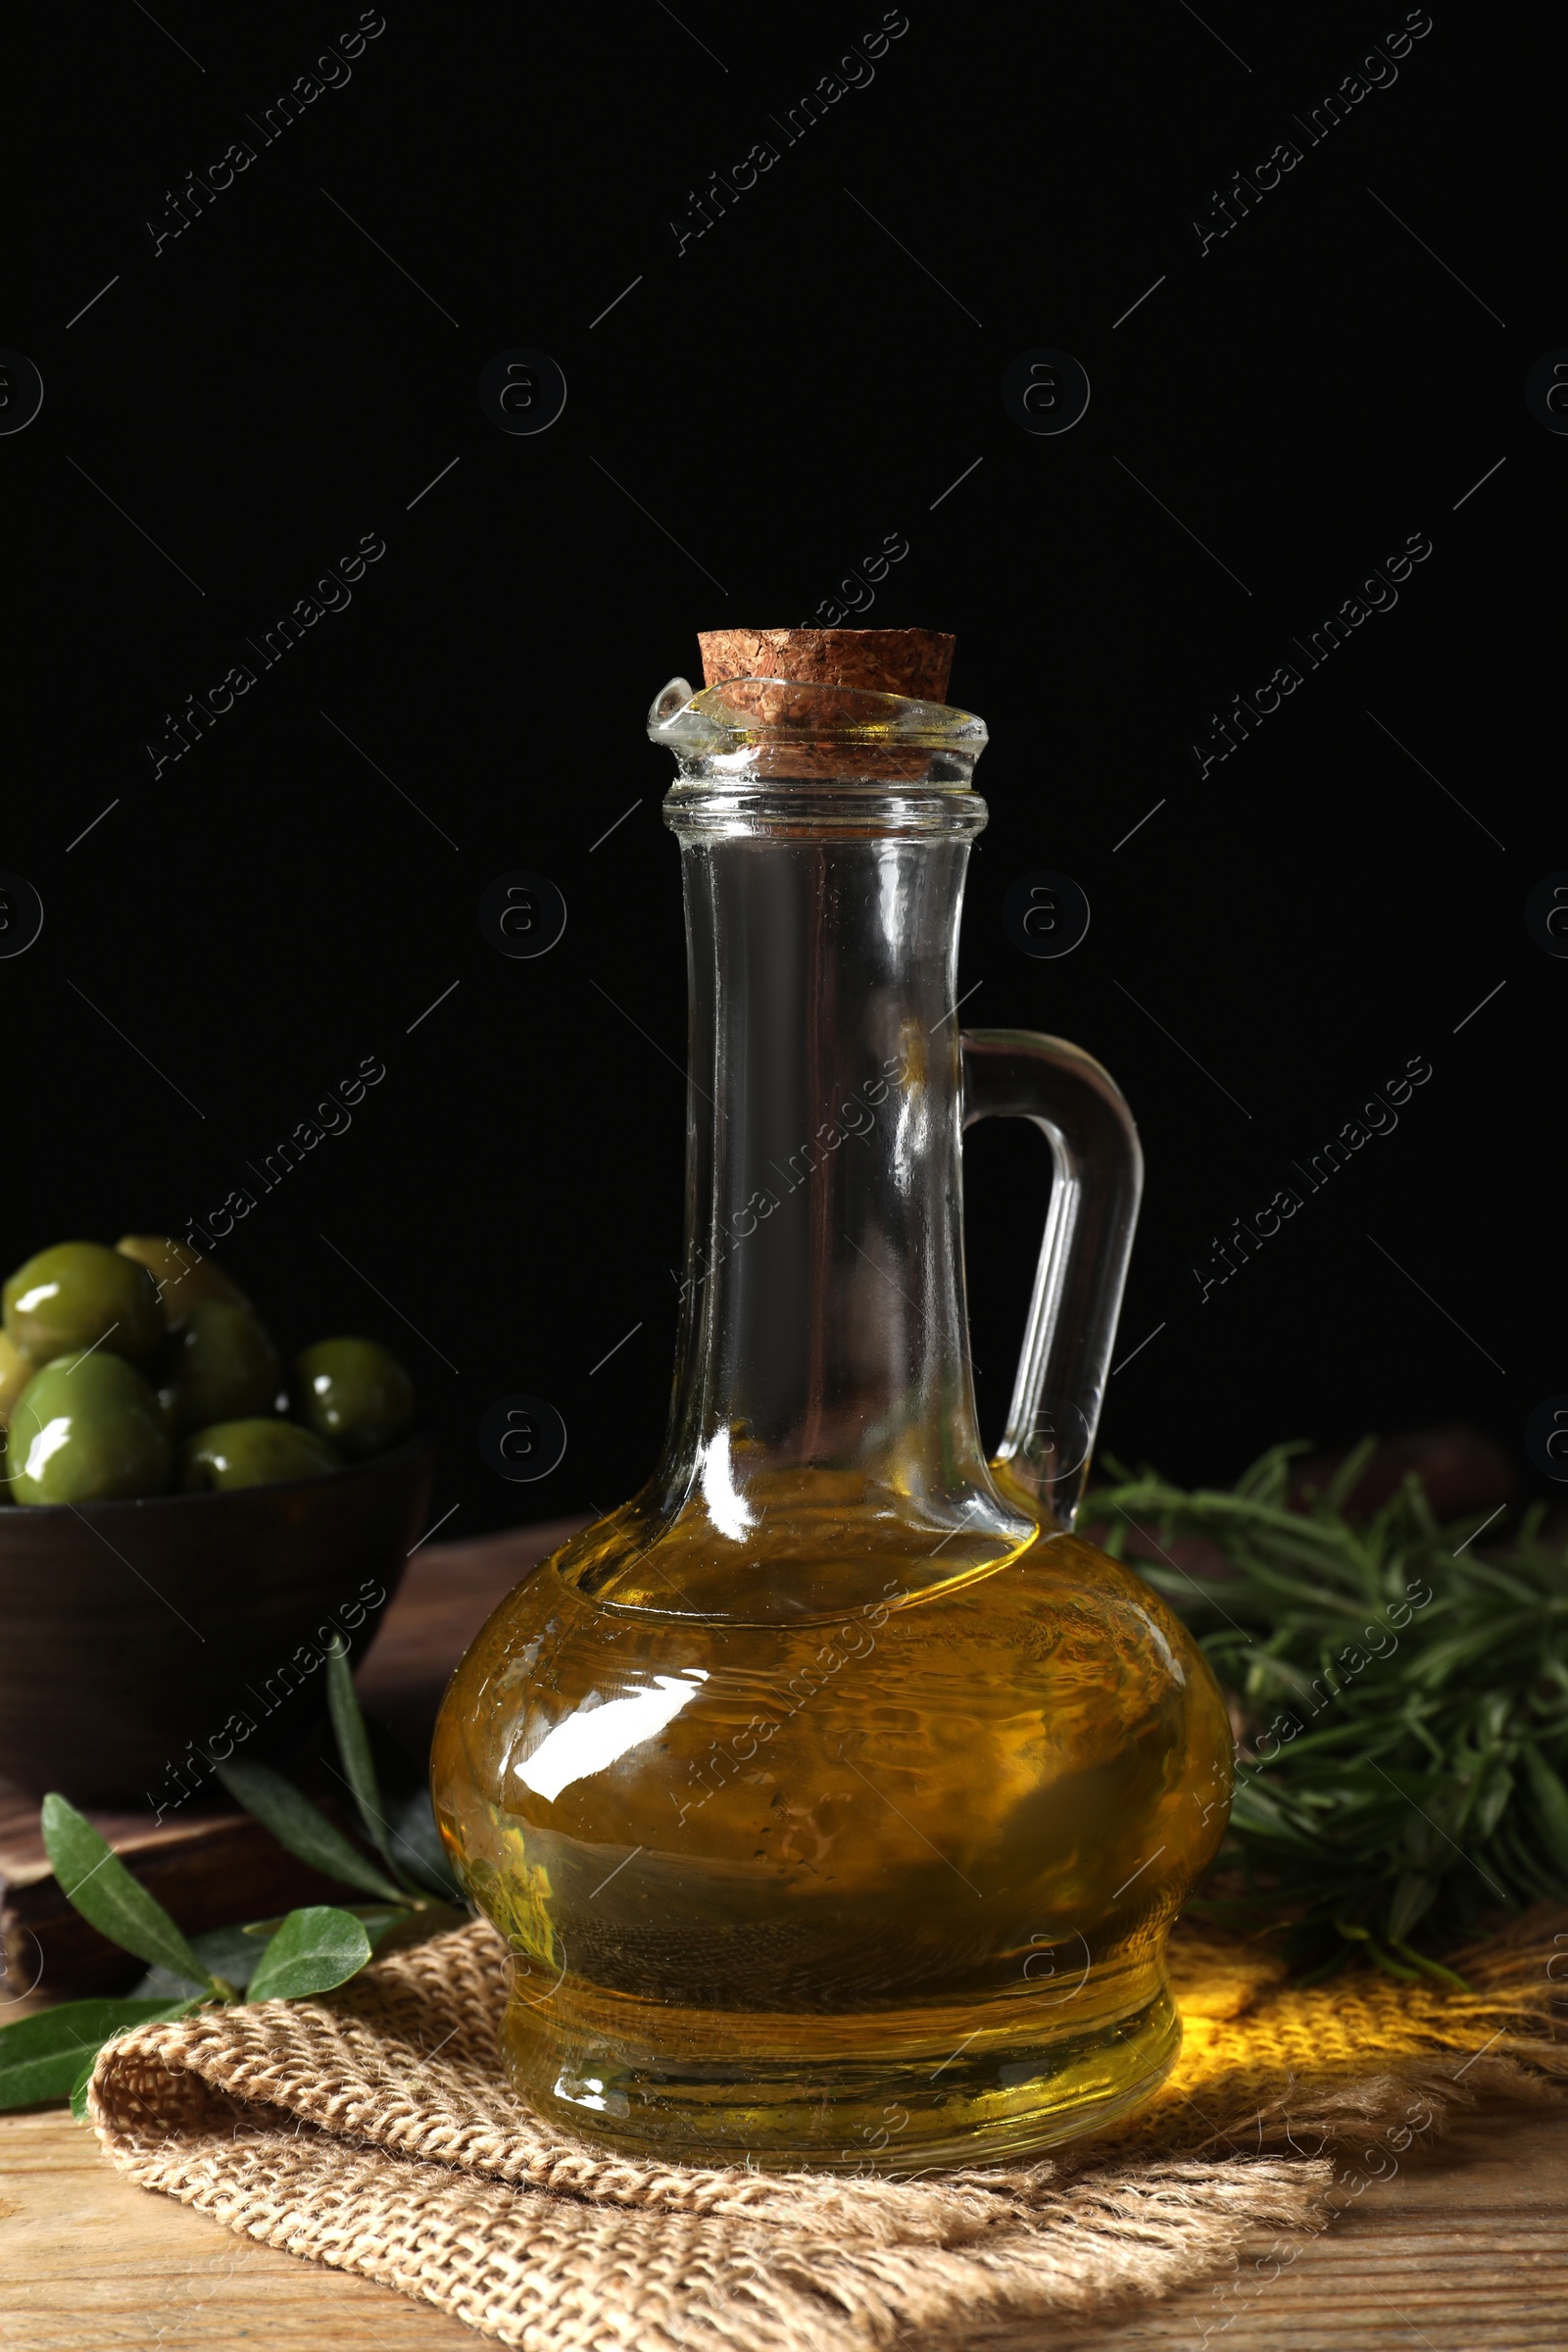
183, 1277
356, 1393
86, 1425
15, 1374
252, 1454
77, 1294
220, 1366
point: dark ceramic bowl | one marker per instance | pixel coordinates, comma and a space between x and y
139, 1638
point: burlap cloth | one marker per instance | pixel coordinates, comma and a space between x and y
372, 2130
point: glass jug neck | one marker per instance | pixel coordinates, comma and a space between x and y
823, 1345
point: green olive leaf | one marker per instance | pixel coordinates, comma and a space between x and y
390, 1925
353, 1746
297, 1823
313, 1951
41, 2056
231, 1953
100, 1887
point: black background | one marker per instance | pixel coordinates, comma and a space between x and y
753, 417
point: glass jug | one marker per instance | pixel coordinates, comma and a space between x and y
834, 1798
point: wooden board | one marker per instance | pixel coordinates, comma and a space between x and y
1466, 2252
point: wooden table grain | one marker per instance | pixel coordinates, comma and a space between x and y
1464, 2250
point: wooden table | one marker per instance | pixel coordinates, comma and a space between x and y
1466, 2248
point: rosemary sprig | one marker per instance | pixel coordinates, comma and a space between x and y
1402, 1703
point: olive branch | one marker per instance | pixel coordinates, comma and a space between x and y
51, 2055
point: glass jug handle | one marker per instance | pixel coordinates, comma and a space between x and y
1064, 1365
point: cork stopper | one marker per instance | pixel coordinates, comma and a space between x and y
836, 733
909, 661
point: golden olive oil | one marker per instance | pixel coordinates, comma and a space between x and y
843, 1887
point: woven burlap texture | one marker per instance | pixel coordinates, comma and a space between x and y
372, 2130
